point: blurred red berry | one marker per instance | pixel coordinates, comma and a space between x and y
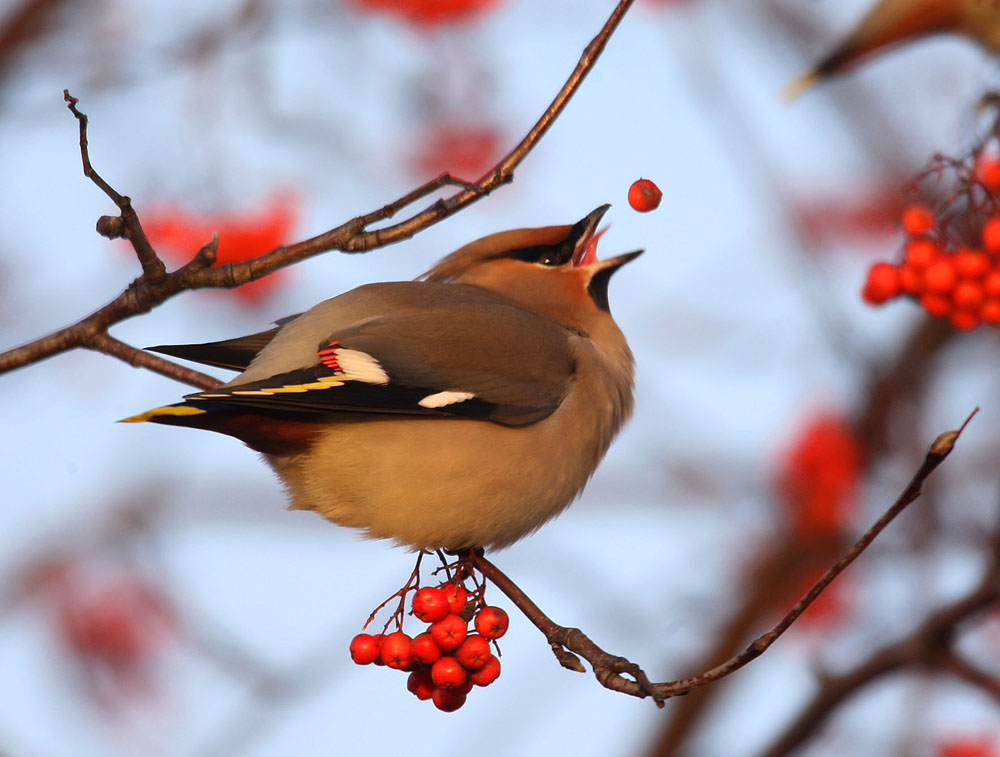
465, 150
449, 633
971, 264
910, 279
917, 219
430, 604
940, 276
487, 674
965, 320
988, 172
991, 284
429, 13
178, 234
882, 284
364, 649
644, 195
968, 746
937, 305
492, 622
968, 295
819, 475
920, 253
991, 235
990, 312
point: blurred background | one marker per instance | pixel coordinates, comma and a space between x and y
157, 599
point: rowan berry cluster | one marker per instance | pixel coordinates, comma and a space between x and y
445, 661
948, 278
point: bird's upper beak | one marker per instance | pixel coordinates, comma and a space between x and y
586, 235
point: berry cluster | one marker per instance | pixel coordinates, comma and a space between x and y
445, 661
947, 278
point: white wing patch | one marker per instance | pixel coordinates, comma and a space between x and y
443, 399
360, 366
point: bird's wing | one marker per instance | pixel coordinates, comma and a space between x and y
459, 358
231, 354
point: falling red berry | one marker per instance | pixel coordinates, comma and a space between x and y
644, 195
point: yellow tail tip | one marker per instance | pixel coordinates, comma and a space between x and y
157, 412
799, 85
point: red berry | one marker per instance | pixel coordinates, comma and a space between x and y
430, 604
968, 295
420, 683
447, 701
910, 279
397, 650
991, 284
991, 235
644, 195
920, 253
486, 674
882, 284
492, 622
965, 320
457, 597
990, 312
450, 632
988, 172
940, 276
473, 653
425, 649
364, 649
937, 305
379, 638
917, 219
448, 673
971, 264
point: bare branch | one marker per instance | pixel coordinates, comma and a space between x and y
611, 670
155, 285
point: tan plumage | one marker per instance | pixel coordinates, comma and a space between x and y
893, 22
462, 410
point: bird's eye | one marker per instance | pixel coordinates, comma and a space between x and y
549, 260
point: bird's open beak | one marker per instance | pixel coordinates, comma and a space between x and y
585, 249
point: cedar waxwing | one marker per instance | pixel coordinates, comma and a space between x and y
464, 409
892, 22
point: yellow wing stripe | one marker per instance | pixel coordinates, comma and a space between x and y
166, 410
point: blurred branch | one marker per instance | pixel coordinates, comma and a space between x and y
155, 285
923, 648
569, 644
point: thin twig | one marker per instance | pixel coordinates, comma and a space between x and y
569, 644
155, 286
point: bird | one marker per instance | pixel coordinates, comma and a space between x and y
461, 410
893, 22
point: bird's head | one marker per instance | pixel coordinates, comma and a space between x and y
552, 270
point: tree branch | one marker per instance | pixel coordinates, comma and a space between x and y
155, 285
568, 644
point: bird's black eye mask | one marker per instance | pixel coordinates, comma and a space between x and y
543, 254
